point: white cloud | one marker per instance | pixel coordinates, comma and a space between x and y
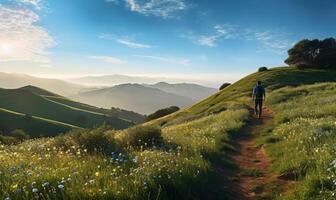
178, 61
35, 3
225, 31
21, 39
108, 59
272, 41
133, 45
160, 8
125, 41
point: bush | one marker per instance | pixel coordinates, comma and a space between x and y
141, 137
7, 140
19, 135
162, 112
96, 140
224, 86
262, 69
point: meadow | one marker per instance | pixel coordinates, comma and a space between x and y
175, 157
301, 141
142, 162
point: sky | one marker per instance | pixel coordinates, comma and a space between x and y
220, 40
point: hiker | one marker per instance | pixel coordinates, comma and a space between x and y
258, 96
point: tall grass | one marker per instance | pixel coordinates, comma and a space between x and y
138, 163
303, 140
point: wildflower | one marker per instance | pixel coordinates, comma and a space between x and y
97, 174
34, 190
45, 184
7, 198
91, 182
60, 186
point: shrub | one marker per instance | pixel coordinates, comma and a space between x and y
96, 140
141, 137
19, 135
224, 86
262, 69
162, 112
7, 140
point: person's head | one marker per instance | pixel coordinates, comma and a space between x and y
259, 82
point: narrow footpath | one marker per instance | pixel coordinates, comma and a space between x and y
252, 180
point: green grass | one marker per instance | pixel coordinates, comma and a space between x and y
178, 161
25, 102
35, 126
304, 138
175, 168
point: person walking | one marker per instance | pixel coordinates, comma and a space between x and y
258, 96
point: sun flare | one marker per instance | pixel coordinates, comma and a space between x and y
6, 49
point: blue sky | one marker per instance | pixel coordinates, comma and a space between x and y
200, 39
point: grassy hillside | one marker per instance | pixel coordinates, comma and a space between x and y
134, 97
177, 161
32, 101
35, 126
242, 89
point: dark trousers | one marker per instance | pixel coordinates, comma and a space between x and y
258, 104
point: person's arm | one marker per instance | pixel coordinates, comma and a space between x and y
264, 94
253, 93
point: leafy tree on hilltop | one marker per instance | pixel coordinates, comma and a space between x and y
225, 85
162, 112
313, 54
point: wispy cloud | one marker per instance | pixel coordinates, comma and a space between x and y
125, 41
178, 61
36, 3
134, 45
21, 39
160, 8
225, 31
108, 59
273, 41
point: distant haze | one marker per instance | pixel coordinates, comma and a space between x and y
116, 79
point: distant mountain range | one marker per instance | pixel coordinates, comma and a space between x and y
117, 79
145, 98
12, 81
137, 94
40, 112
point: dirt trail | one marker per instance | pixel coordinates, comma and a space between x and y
252, 180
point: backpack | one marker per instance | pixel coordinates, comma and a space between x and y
259, 91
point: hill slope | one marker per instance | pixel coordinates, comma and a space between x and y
192, 91
242, 89
133, 97
31, 100
178, 161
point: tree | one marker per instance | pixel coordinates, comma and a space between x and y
224, 86
162, 112
262, 69
313, 54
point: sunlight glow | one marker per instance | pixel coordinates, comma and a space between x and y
6, 50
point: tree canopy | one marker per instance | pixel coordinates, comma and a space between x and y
313, 54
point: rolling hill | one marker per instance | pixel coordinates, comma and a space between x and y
192, 91
134, 97
51, 109
146, 98
187, 155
